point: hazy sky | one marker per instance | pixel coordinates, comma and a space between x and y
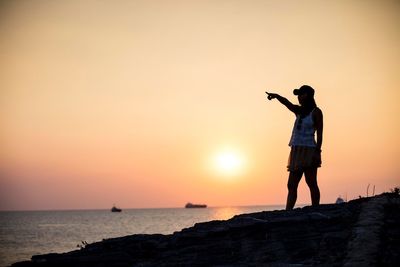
131, 102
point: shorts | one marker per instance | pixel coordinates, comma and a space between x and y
303, 157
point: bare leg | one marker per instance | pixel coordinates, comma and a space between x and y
293, 182
311, 179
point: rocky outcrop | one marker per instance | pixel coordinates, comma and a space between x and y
362, 232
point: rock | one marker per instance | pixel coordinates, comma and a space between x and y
362, 232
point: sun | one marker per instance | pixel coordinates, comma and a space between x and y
228, 163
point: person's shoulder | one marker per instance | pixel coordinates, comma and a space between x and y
317, 114
296, 109
317, 111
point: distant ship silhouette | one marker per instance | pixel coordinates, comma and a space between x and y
340, 200
115, 209
191, 205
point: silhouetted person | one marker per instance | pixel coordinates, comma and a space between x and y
305, 153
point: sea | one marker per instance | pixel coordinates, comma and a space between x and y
27, 233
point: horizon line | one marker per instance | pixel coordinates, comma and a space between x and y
148, 208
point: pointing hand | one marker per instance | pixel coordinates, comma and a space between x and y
271, 95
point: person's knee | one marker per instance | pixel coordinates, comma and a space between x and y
293, 182
291, 186
312, 183
311, 179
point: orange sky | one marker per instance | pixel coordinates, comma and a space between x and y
129, 102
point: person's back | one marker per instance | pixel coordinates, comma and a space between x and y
303, 133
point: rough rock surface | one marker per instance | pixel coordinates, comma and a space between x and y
362, 232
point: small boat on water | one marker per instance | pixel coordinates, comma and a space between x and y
340, 200
115, 209
191, 205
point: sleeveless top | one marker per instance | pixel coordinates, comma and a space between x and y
303, 131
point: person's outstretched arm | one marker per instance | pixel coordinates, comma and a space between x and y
293, 108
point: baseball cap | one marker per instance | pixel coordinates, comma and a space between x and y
304, 89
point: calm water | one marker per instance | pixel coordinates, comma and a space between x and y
26, 233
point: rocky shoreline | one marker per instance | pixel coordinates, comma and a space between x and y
362, 232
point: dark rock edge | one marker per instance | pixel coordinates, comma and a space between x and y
361, 232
